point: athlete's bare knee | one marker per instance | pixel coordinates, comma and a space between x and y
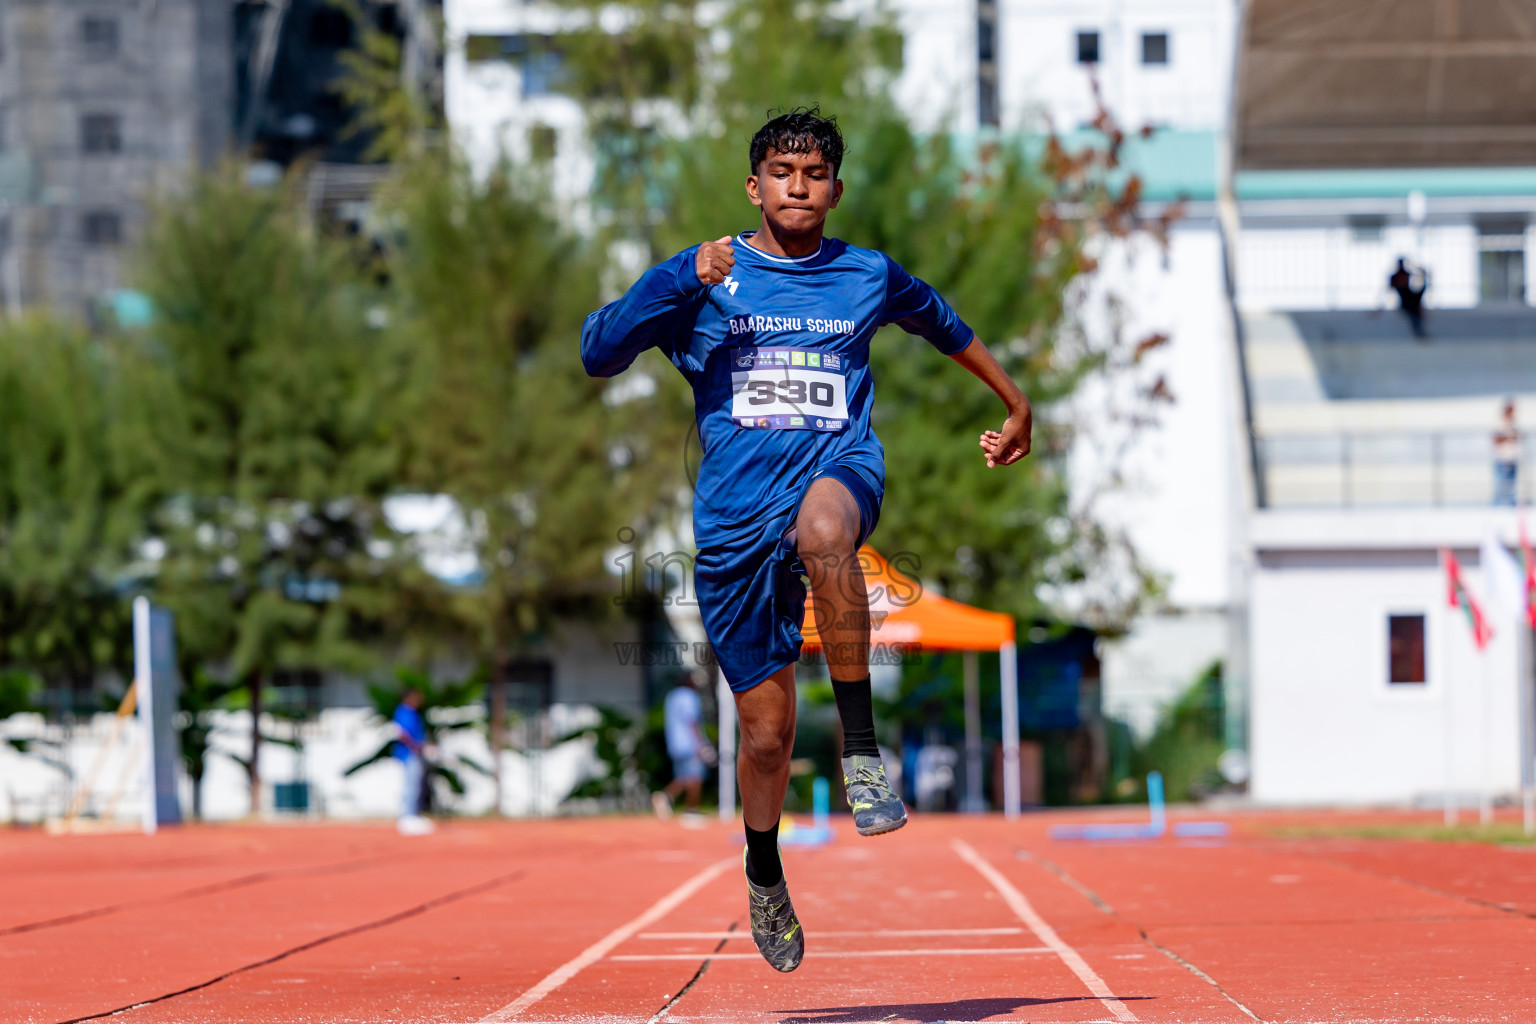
768, 749
824, 538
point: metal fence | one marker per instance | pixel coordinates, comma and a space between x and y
1345, 470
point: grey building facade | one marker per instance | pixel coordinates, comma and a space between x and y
104, 104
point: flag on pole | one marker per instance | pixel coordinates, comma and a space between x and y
1460, 597
1504, 580
1529, 561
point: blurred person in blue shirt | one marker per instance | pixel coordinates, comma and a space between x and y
686, 746
411, 751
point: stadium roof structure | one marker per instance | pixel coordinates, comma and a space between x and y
1386, 83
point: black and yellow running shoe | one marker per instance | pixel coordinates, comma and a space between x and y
876, 809
775, 928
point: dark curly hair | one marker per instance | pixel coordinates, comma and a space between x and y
802, 130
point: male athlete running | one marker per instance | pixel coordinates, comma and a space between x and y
773, 334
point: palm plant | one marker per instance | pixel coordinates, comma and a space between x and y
439, 701
18, 695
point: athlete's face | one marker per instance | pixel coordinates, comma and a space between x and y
795, 190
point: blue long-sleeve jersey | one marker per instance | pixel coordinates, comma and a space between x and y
778, 358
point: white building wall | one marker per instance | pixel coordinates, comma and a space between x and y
1040, 75
937, 87
1175, 503
1327, 727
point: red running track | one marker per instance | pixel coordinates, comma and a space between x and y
591, 921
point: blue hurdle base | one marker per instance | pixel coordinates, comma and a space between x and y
1153, 829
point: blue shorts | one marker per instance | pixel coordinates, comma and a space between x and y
752, 597
688, 766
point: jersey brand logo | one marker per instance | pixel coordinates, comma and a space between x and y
731, 284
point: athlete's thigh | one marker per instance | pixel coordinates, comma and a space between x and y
768, 709
828, 516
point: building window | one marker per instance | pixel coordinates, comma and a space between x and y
543, 141
1154, 47
987, 112
99, 37
1367, 227
102, 227
986, 33
1087, 47
1501, 262
101, 133
1405, 650
330, 29
541, 72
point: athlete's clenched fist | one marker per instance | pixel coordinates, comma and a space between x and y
715, 260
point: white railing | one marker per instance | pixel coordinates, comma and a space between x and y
1345, 470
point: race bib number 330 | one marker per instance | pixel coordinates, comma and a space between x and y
788, 389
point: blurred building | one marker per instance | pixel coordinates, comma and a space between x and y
101, 106
1363, 135
105, 106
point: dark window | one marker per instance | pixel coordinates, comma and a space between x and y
330, 29
1154, 47
99, 37
988, 112
986, 39
101, 133
1087, 47
1405, 649
102, 227
542, 72
544, 141
1367, 227
296, 689
1501, 261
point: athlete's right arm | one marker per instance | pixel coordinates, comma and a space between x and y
654, 310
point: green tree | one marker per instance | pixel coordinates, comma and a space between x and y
67, 523
19, 695
1189, 740
200, 699
491, 288
270, 446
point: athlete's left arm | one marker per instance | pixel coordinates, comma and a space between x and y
1009, 445
919, 309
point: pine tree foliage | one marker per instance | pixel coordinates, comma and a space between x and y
66, 529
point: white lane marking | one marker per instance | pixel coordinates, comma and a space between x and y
845, 954
1046, 934
601, 948
905, 933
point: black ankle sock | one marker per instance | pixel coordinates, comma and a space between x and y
763, 865
856, 708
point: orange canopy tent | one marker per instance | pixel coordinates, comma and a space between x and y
902, 613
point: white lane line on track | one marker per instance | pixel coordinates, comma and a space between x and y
847, 954
886, 933
599, 949
1043, 931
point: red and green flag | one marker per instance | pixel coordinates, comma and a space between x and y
1461, 597
1528, 561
